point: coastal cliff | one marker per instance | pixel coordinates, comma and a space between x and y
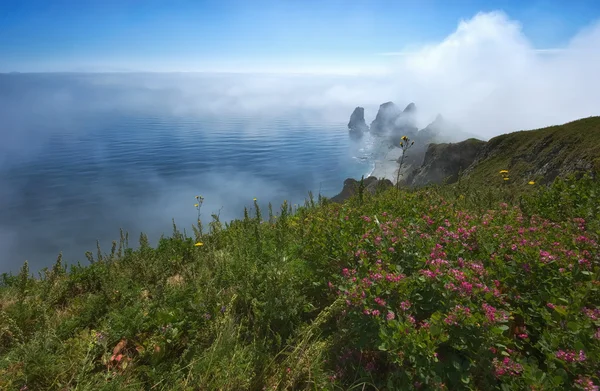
537, 156
443, 153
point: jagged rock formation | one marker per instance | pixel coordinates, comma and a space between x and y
357, 125
435, 132
385, 118
411, 108
444, 162
404, 125
351, 186
391, 124
440, 155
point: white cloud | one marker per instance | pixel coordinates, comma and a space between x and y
486, 76
489, 78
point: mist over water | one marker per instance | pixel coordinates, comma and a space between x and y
82, 155
83, 159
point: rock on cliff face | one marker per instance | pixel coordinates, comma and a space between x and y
430, 134
391, 123
444, 162
357, 125
386, 118
372, 185
395, 123
439, 131
410, 108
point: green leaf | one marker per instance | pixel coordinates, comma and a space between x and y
560, 310
557, 380
500, 329
435, 330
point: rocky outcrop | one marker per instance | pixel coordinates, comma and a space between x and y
391, 124
371, 185
357, 125
439, 131
423, 138
444, 162
410, 108
385, 119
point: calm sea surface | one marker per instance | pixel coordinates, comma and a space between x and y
81, 159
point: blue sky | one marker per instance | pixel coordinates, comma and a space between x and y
172, 35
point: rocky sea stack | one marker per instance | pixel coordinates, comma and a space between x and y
357, 125
426, 161
393, 121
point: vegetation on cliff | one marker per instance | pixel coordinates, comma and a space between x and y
536, 155
470, 286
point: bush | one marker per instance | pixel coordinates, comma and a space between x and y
447, 287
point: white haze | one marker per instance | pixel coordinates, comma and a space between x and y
486, 77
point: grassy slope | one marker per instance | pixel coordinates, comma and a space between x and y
474, 287
541, 154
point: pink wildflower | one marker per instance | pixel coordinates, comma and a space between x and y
380, 301
571, 356
592, 313
506, 367
587, 384
490, 312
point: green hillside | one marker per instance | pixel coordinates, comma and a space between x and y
541, 155
482, 285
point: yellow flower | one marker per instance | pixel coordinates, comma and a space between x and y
503, 171
197, 197
505, 178
196, 205
199, 244
531, 182
401, 144
404, 138
254, 199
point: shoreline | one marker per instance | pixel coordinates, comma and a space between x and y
387, 166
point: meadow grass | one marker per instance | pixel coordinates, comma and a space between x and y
448, 287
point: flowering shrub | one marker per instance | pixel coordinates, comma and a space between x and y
442, 288
485, 300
